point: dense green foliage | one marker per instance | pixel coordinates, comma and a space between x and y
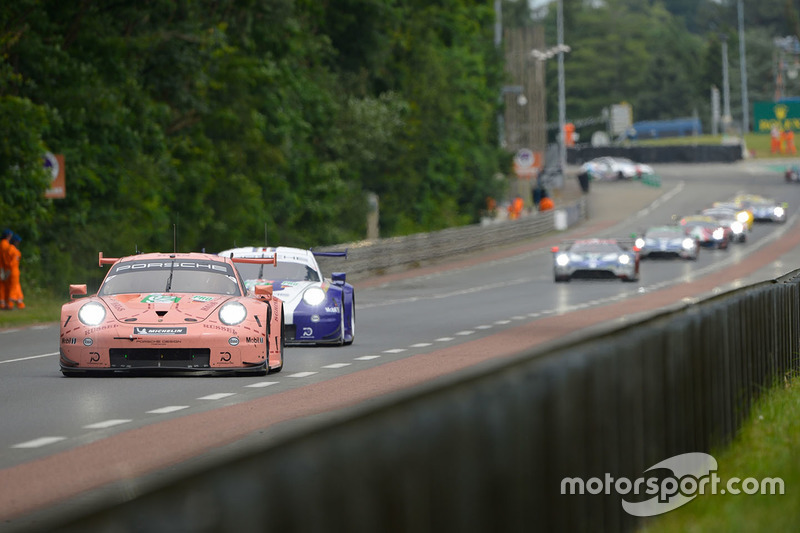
203, 124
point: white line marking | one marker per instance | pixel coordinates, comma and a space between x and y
11, 330
421, 345
465, 332
108, 423
502, 322
168, 409
301, 374
484, 326
367, 357
29, 358
217, 396
39, 327
38, 443
262, 384
517, 317
337, 365
395, 350
444, 339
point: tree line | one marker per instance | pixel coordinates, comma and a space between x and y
207, 124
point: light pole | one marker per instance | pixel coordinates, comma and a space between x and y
743, 65
562, 109
726, 88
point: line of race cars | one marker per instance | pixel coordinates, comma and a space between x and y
227, 313
717, 227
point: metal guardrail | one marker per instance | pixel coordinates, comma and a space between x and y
381, 256
486, 449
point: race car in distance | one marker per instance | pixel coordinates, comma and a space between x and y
707, 231
615, 168
728, 217
667, 241
179, 312
763, 209
316, 310
743, 213
792, 173
595, 259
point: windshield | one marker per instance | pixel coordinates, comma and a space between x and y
668, 233
171, 275
283, 271
595, 248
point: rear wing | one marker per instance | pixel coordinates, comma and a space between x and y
330, 254
272, 260
106, 260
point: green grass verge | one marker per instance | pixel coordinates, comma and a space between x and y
40, 307
768, 445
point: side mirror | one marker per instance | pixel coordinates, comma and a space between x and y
263, 291
77, 290
338, 278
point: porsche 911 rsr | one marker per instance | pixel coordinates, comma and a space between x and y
707, 231
180, 312
667, 242
728, 217
316, 310
595, 259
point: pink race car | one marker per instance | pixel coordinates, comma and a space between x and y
180, 312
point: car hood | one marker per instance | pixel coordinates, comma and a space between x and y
163, 308
289, 291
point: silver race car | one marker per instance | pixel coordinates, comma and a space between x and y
763, 209
595, 259
667, 242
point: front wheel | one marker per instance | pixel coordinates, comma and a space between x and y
352, 324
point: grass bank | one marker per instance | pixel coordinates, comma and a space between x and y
40, 307
768, 446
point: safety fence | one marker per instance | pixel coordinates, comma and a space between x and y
697, 153
487, 449
381, 256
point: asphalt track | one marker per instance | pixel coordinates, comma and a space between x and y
67, 441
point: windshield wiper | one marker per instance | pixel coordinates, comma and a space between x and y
169, 279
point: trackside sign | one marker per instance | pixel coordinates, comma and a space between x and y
784, 115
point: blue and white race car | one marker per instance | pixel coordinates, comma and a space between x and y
595, 259
316, 310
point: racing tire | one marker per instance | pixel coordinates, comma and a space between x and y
352, 324
561, 279
283, 350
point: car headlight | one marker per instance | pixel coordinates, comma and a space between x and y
314, 296
778, 211
718, 234
687, 244
232, 313
92, 314
624, 260
562, 260
639, 243
742, 216
737, 227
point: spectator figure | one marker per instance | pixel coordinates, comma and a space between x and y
790, 147
14, 294
515, 209
5, 237
775, 147
546, 203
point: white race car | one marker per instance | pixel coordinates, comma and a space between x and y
316, 310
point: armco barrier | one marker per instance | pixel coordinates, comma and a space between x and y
700, 153
384, 255
487, 449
